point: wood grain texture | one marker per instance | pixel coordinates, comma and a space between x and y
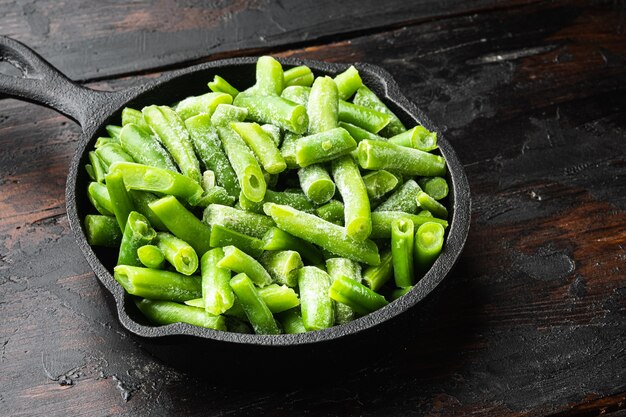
95, 39
531, 323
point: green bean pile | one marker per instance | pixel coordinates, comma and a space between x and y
285, 208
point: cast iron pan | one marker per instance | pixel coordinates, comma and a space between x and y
93, 110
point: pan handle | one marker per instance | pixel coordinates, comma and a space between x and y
43, 84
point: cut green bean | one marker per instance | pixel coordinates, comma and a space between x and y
225, 114
282, 266
301, 75
251, 224
151, 256
418, 138
384, 155
182, 223
291, 320
316, 183
403, 199
366, 98
381, 222
156, 284
333, 212
263, 146
214, 195
208, 147
324, 146
113, 130
274, 132
135, 117
102, 231
163, 181
111, 153
99, 170
379, 183
238, 261
358, 221
144, 148
167, 312
257, 312
170, 129
90, 173
269, 76
137, 233
275, 110
399, 292
297, 94
122, 204
436, 187
348, 82
296, 200
402, 237
277, 239
222, 236
178, 253
328, 235
244, 164
426, 202
376, 276
288, 149
364, 117
206, 103
217, 295
317, 308
356, 296
322, 107
428, 245
220, 85
235, 325
279, 298
101, 141
100, 199
338, 267
141, 201
358, 133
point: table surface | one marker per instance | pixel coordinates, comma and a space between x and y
531, 94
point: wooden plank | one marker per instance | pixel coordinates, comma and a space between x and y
94, 39
531, 323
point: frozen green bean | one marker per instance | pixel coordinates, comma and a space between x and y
98, 167
225, 114
277, 239
171, 131
403, 199
238, 261
428, 245
342, 267
100, 199
251, 224
348, 82
366, 98
275, 110
328, 235
151, 256
257, 312
137, 233
364, 117
113, 130
295, 200
279, 298
317, 307
206, 103
144, 148
358, 221
282, 266
376, 276
333, 212
167, 312
323, 147
122, 204
426, 202
182, 223
322, 107
381, 222
208, 147
102, 231
141, 202
384, 155
316, 183
291, 320
130, 115
436, 187
222, 236
418, 137
301, 76
157, 284
220, 85
269, 76
379, 183
178, 253
112, 152
402, 238
263, 146
217, 295
356, 296
297, 94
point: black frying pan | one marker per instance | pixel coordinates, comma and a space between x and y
93, 110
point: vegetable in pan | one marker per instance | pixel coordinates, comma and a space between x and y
296, 204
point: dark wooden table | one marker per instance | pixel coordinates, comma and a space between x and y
532, 94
